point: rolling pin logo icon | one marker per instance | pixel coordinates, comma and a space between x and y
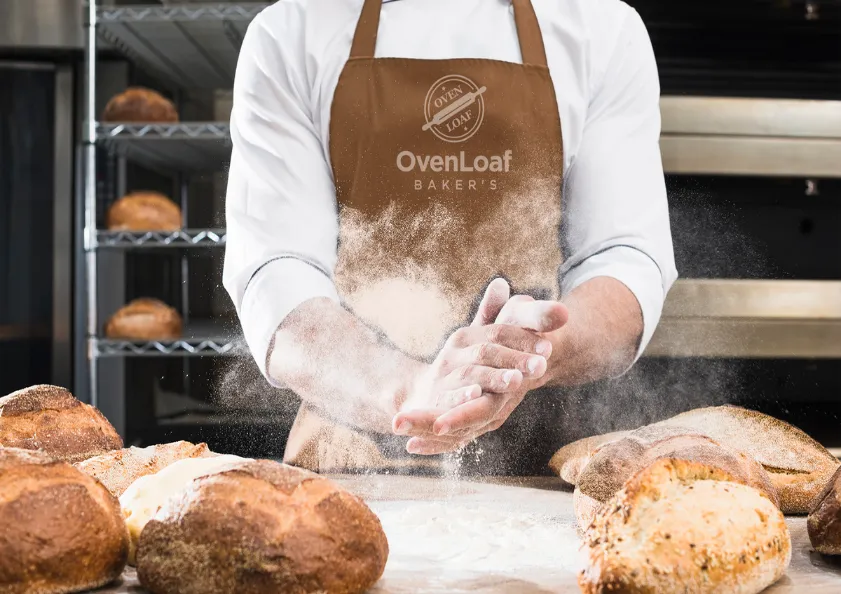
454, 108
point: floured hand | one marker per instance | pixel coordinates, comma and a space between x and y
503, 350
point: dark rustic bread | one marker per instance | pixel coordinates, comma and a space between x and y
798, 465
144, 211
49, 418
824, 521
571, 459
120, 468
137, 104
260, 528
145, 319
60, 530
678, 527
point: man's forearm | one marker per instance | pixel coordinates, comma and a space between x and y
601, 337
332, 360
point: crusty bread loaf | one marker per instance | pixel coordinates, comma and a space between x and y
142, 499
144, 211
137, 104
120, 468
568, 461
60, 530
679, 527
824, 521
145, 319
49, 418
261, 528
798, 465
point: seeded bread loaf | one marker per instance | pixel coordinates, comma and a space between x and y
678, 527
60, 530
120, 468
571, 459
50, 419
137, 104
261, 528
824, 521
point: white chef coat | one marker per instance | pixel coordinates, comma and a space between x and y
282, 217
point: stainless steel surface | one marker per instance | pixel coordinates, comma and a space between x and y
54, 24
186, 147
515, 501
189, 45
185, 238
751, 319
740, 136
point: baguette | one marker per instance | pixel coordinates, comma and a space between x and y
120, 468
678, 527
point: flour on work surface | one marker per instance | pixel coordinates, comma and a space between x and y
446, 543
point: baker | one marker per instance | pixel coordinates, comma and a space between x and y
440, 214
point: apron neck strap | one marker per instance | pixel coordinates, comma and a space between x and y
528, 31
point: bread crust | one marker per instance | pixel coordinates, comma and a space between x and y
120, 468
615, 462
145, 319
570, 460
144, 211
51, 419
62, 530
680, 526
824, 521
798, 466
138, 104
260, 528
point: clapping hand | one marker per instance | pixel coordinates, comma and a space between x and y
482, 373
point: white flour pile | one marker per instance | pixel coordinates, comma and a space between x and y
443, 546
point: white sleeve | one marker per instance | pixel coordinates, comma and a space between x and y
617, 221
281, 209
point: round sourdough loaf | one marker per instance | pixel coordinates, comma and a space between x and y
144, 211
260, 528
60, 530
49, 418
137, 104
145, 319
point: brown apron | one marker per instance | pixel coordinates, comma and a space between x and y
448, 174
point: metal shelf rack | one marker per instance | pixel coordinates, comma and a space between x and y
189, 47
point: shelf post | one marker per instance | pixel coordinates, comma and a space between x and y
89, 233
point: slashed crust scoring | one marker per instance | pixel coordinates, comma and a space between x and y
258, 528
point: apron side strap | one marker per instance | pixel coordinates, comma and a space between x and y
528, 30
365, 37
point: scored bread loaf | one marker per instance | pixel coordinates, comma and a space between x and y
615, 462
260, 528
141, 500
145, 319
51, 419
798, 465
120, 468
144, 211
824, 521
60, 530
678, 527
568, 461
137, 104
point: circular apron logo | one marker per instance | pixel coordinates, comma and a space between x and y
454, 108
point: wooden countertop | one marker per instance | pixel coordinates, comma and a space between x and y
556, 560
